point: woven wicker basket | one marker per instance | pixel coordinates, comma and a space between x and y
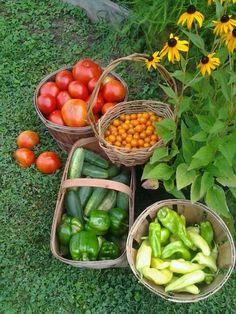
194, 213
91, 144
119, 155
65, 136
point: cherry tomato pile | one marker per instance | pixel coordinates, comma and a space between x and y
47, 162
132, 131
65, 100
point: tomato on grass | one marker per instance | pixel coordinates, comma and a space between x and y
74, 113
48, 162
85, 70
49, 88
63, 79
24, 157
56, 117
46, 104
27, 139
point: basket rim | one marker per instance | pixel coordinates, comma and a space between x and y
65, 127
165, 296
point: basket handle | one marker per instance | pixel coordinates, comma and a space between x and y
101, 183
134, 57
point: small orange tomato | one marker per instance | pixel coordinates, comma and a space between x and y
107, 106
24, 156
27, 139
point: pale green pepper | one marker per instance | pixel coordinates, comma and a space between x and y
185, 281
144, 255
181, 266
199, 242
159, 277
159, 263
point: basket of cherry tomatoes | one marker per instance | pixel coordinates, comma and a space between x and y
62, 97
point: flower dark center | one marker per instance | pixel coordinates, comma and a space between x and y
172, 42
204, 60
191, 9
234, 32
150, 59
224, 19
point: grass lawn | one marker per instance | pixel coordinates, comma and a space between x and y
38, 37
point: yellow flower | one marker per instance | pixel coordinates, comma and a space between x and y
189, 17
221, 1
172, 48
225, 25
208, 63
153, 60
230, 40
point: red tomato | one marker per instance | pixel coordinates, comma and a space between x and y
78, 90
49, 88
74, 113
108, 78
56, 117
91, 84
107, 106
27, 139
85, 70
48, 162
113, 91
62, 97
46, 104
25, 157
63, 79
99, 104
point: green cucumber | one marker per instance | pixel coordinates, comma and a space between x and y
123, 177
76, 164
94, 171
95, 200
109, 201
73, 205
84, 193
113, 171
95, 159
122, 201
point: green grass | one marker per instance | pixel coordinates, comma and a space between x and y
36, 38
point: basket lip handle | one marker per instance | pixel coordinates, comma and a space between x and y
136, 57
102, 183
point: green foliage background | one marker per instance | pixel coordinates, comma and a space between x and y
38, 37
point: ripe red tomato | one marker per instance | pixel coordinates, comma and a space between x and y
99, 104
85, 70
107, 106
63, 79
62, 97
78, 90
46, 104
113, 91
49, 88
91, 84
56, 117
48, 162
27, 139
74, 113
25, 157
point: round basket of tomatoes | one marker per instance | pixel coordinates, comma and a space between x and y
127, 132
61, 100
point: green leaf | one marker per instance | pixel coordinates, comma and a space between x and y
183, 176
216, 200
169, 92
166, 129
230, 182
199, 137
206, 122
196, 40
202, 157
169, 185
176, 193
188, 148
161, 171
233, 191
206, 183
228, 149
219, 9
224, 168
158, 154
195, 192
183, 77
184, 106
217, 127
222, 78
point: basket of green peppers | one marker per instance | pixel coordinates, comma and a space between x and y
181, 251
94, 210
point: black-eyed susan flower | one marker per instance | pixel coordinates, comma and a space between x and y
230, 40
209, 2
172, 48
152, 61
208, 64
224, 25
189, 16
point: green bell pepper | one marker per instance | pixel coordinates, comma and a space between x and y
206, 231
175, 223
109, 250
178, 248
68, 227
154, 237
84, 246
119, 221
98, 222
